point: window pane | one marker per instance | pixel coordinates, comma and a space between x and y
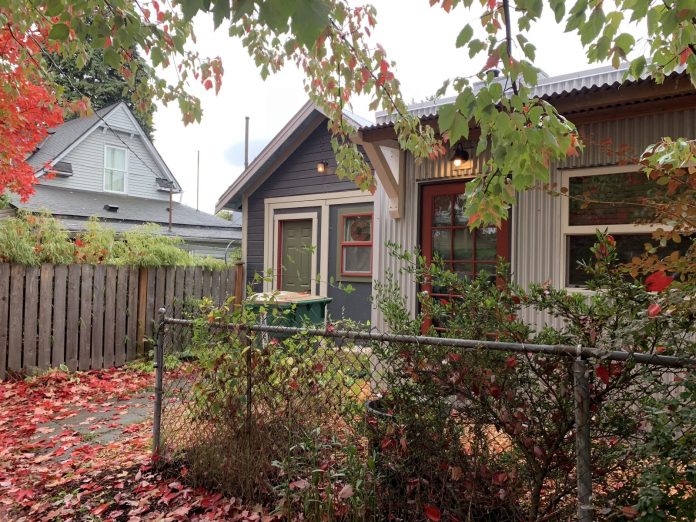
615, 199
459, 217
627, 247
486, 244
442, 210
464, 270
358, 228
115, 158
356, 259
463, 244
442, 245
114, 181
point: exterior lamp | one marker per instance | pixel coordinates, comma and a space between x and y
322, 167
460, 157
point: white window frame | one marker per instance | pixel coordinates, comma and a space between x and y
125, 173
585, 230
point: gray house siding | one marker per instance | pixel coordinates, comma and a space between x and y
536, 218
296, 176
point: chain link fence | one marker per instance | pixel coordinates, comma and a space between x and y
353, 425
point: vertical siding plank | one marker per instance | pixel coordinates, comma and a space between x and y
60, 281
132, 312
14, 356
98, 317
197, 282
31, 307
4, 315
170, 275
120, 322
150, 311
86, 296
45, 312
109, 317
179, 291
73, 317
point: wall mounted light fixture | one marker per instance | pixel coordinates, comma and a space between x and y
322, 167
460, 157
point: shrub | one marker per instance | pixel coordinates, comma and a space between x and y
32, 239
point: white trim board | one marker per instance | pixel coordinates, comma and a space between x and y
322, 200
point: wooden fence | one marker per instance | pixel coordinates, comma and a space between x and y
94, 316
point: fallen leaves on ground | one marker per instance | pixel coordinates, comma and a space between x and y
50, 471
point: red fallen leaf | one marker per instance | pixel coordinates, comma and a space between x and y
602, 372
100, 509
511, 361
432, 513
180, 511
23, 493
499, 478
630, 511
658, 281
299, 484
654, 310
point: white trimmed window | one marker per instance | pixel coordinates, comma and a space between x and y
606, 199
115, 169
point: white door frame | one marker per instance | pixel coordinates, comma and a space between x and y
277, 220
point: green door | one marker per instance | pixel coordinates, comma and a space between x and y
295, 262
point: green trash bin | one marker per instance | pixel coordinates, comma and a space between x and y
293, 309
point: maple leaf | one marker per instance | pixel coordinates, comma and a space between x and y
658, 281
602, 372
654, 310
432, 513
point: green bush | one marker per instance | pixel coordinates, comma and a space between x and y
32, 239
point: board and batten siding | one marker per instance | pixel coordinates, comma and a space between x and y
87, 160
296, 176
536, 235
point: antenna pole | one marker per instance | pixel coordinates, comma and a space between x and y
246, 142
198, 176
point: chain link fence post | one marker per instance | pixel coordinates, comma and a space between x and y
159, 376
581, 395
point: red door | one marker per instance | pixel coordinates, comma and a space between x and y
445, 233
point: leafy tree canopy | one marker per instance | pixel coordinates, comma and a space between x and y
331, 41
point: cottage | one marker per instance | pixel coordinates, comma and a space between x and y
105, 166
304, 229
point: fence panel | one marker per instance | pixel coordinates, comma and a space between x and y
92, 316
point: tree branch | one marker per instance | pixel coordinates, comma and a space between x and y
508, 38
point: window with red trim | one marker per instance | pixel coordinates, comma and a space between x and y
356, 245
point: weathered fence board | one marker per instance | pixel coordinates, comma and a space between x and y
60, 287
93, 316
4, 315
45, 313
98, 317
109, 316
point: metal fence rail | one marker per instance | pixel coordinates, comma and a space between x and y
242, 412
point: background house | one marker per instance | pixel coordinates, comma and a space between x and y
305, 227
105, 166
420, 204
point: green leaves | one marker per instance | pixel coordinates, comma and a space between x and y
464, 36
59, 32
309, 20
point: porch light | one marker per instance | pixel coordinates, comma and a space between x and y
460, 158
322, 167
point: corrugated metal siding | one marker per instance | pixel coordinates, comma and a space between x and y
402, 231
537, 216
87, 161
442, 168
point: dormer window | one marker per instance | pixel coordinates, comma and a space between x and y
115, 169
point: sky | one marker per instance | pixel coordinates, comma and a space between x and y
420, 38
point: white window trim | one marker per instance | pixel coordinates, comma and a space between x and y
323, 201
584, 230
125, 173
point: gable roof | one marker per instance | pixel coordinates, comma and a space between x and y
64, 138
288, 139
77, 206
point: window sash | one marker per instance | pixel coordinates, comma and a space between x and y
345, 272
111, 173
